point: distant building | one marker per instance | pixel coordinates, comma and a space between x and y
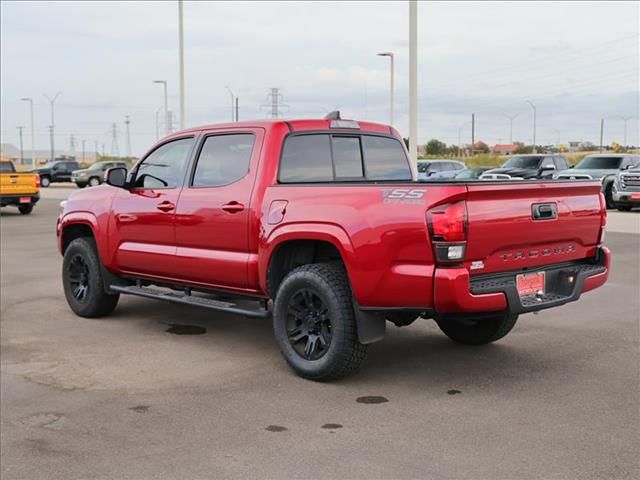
504, 149
10, 151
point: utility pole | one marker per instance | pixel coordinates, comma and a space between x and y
534, 125
21, 149
115, 150
33, 132
52, 101
83, 149
104, 154
181, 62
625, 120
391, 89
232, 102
473, 133
601, 132
95, 142
127, 122
459, 135
166, 105
511, 119
170, 119
413, 82
237, 111
72, 145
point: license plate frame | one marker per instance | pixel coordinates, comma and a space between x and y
25, 200
528, 284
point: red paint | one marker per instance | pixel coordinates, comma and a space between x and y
225, 237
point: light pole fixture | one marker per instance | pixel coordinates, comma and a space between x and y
534, 125
181, 64
232, 103
52, 127
391, 87
33, 133
166, 106
413, 81
511, 119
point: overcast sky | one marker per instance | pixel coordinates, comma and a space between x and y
577, 61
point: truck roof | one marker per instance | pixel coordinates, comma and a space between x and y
298, 125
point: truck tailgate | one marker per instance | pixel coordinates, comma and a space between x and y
504, 235
18, 183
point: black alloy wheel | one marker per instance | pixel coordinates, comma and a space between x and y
78, 272
308, 324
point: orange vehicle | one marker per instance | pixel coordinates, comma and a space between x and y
21, 190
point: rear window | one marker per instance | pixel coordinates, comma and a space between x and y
6, 167
599, 163
326, 158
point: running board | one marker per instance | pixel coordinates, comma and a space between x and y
187, 299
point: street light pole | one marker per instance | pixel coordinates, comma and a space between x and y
625, 120
391, 87
21, 146
232, 102
52, 101
511, 119
166, 106
181, 62
413, 81
534, 125
33, 133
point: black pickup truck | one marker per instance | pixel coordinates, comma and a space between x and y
57, 171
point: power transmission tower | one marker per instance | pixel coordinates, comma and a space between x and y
274, 97
21, 150
115, 150
127, 122
72, 145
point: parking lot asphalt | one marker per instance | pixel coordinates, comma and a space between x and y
123, 397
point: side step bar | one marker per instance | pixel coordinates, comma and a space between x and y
188, 299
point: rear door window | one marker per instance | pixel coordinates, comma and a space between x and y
306, 158
384, 159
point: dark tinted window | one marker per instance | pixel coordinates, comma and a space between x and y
306, 158
384, 159
6, 167
347, 157
422, 167
223, 159
522, 162
599, 163
165, 167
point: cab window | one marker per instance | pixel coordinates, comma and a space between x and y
165, 166
224, 159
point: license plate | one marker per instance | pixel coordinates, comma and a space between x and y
25, 199
530, 283
635, 196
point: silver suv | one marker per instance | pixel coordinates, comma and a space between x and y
94, 175
625, 191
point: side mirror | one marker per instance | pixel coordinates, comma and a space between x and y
116, 177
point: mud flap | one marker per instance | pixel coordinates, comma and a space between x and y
371, 325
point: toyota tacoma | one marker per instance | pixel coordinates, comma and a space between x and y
321, 225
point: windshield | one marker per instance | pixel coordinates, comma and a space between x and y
599, 163
48, 165
522, 162
96, 166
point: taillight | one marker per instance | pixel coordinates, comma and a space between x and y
448, 231
603, 218
37, 180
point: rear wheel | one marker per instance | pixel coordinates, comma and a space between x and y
314, 322
25, 209
624, 209
81, 185
45, 182
477, 331
82, 280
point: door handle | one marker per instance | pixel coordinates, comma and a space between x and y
166, 206
233, 207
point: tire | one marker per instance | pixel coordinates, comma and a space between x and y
94, 181
477, 332
81, 185
82, 280
608, 196
45, 182
25, 209
624, 209
323, 344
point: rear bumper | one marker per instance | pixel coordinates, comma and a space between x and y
457, 292
15, 199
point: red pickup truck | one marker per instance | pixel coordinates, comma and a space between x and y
322, 225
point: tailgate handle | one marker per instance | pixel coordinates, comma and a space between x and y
544, 211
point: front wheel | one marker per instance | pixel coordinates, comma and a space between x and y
82, 280
25, 209
608, 196
477, 331
94, 181
314, 322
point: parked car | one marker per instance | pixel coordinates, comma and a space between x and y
426, 168
625, 189
529, 166
94, 175
472, 173
20, 190
57, 171
603, 167
323, 220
